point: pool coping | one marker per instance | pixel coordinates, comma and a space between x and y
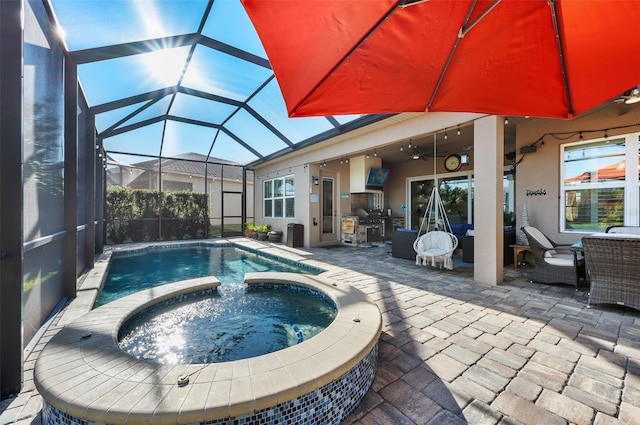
83, 372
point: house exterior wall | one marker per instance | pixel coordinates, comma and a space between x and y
539, 172
303, 190
304, 164
537, 179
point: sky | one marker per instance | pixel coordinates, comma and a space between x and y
89, 24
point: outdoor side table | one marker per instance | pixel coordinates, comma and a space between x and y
517, 249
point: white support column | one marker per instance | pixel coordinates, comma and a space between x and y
488, 136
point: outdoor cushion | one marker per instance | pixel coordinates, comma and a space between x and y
540, 237
560, 260
437, 246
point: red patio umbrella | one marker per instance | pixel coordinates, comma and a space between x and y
545, 58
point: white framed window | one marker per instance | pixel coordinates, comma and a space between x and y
279, 197
599, 184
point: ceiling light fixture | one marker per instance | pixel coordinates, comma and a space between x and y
409, 146
459, 130
415, 155
445, 134
401, 148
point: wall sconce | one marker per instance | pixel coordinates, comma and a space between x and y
464, 159
315, 180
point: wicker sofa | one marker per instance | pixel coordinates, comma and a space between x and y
613, 264
553, 263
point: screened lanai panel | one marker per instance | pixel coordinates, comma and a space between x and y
43, 127
270, 105
105, 120
229, 23
144, 140
154, 110
224, 75
228, 149
90, 24
131, 75
255, 133
135, 172
180, 138
201, 109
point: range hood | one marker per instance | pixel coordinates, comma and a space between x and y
359, 171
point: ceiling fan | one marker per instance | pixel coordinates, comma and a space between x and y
416, 154
630, 96
627, 99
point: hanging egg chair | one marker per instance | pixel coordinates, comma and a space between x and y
437, 244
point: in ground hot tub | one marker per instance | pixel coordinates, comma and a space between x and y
84, 377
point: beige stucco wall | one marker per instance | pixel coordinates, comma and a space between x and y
541, 170
305, 163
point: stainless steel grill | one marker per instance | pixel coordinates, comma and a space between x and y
361, 230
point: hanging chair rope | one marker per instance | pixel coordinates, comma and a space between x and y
438, 242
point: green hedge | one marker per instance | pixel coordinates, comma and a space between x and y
148, 215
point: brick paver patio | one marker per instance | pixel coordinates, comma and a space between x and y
454, 351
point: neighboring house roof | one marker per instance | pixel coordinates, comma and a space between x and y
193, 164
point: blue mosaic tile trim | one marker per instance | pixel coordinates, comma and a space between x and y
171, 245
329, 404
297, 288
311, 269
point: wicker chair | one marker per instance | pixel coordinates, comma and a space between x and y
613, 262
553, 263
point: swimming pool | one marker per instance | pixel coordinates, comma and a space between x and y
85, 378
131, 271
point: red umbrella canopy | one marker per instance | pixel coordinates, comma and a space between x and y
540, 58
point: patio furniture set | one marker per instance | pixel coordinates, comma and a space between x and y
609, 262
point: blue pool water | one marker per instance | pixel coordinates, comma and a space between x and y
232, 323
131, 273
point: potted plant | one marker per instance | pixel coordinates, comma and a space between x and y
263, 231
275, 236
249, 229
